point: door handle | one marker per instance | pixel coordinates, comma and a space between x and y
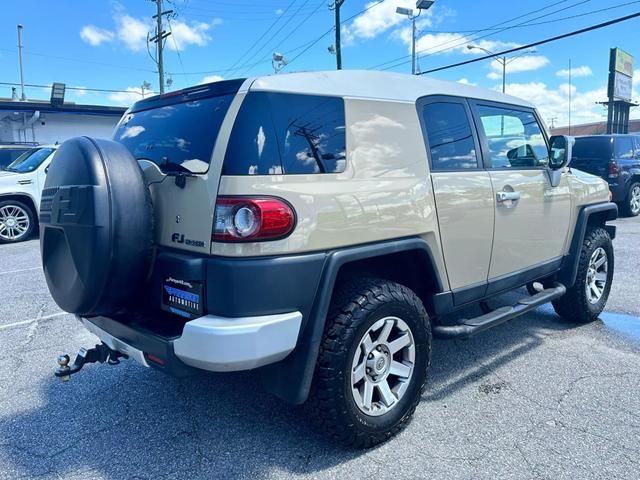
504, 196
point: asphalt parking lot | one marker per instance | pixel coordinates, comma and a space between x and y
534, 398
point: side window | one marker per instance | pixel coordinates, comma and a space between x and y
624, 148
515, 138
276, 133
450, 136
637, 139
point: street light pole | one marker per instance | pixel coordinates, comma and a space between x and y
408, 12
501, 60
23, 97
413, 44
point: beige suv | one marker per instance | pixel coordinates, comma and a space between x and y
318, 227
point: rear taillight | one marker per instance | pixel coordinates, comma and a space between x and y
243, 219
613, 169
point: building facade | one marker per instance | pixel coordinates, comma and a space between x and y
43, 123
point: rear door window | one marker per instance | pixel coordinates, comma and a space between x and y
591, 148
277, 133
450, 138
624, 148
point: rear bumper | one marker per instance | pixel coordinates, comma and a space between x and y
211, 342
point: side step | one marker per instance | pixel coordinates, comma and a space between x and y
472, 326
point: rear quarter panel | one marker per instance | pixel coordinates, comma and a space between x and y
384, 192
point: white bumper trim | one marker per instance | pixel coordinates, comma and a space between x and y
223, 344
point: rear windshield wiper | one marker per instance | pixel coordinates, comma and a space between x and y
173, 169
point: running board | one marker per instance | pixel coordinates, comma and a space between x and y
471, 326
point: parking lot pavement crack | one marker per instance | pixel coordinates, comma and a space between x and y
609, 440
572, 385
530, 466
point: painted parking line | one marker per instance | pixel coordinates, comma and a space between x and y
9, 272
33, 320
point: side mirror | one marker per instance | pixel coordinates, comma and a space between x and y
560, 151
559, 156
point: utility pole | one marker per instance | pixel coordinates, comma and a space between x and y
336, 7
569, 96
158, 39
23, 97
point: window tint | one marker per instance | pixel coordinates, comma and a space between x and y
591, 148
277, 133
515, 138
30, 160
624, 147
8, 155
449, 134
175, 137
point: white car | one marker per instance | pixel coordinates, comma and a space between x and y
21, 187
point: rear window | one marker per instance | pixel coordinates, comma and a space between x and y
624, 148
591, 148
176, 137
277, 133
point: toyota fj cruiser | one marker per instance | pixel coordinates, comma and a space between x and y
319, 227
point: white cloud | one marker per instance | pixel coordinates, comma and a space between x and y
211, 79
189, 34
382, 17
131, 95
466, 81
95, 36
79, 91
279, 11
440, 43
525, 63
583, 71
132, 31
554, 102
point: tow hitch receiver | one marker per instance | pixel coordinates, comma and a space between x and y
98, 354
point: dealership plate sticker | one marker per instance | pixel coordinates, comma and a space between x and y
182, 297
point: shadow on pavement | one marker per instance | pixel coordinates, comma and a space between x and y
131, 422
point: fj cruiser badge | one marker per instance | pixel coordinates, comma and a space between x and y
179, 238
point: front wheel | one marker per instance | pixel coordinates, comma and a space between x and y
16, 221
632, 202
373, 362
586, 299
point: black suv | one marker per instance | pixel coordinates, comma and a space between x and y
616, 158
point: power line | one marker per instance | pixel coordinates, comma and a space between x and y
545, 22
273, 24
258, 52
313, 42
468, 40
102, 90
535, 44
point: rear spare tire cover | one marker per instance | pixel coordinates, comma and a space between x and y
95, 227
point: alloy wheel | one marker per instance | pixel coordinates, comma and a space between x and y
14, 222
634, 200
383, 366
597, 275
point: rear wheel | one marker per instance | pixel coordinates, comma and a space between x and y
373, 362
586, 299
16, 221
632, 203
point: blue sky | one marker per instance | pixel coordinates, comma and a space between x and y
102, 44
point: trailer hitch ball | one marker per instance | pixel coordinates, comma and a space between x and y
63, 362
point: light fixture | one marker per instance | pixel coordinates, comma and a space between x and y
424, 4
57, 93
405, 11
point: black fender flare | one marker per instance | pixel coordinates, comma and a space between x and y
605, 211
291, 378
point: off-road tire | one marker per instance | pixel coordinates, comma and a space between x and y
627, 208
574, 305
356, 306
30, 214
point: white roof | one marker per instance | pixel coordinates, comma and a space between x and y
375, 85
